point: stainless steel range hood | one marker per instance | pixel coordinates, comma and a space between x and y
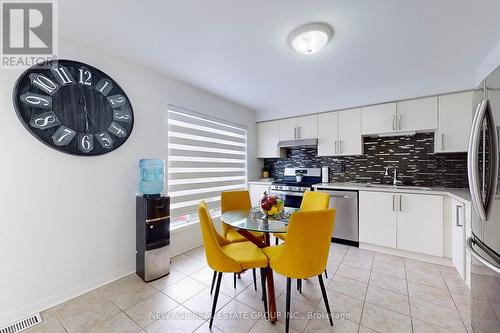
298, 143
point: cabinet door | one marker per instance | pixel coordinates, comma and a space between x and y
417, 115
328, 124
350, 142
267, 139
378, 119
454, 119
256, 191
377, 218
420, 223
288, 129
458, 236
307, 127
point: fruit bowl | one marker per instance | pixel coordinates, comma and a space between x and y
271, 205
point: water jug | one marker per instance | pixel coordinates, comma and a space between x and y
152, 177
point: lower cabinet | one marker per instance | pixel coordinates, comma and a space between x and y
256, 191
458, 236
411, 222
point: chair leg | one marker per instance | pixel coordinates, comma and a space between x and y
254, 279
299, 285
234, 280
214, 305
288, 295
277, 241
325, 298
213, 283
326, 274
264, 296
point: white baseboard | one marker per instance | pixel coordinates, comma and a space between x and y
63, 297
407, 254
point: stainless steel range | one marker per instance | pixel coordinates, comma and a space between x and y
295, 182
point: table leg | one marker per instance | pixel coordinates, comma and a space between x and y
270, 288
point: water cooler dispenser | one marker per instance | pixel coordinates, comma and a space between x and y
152, 223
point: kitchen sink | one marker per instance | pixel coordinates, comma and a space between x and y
401, 187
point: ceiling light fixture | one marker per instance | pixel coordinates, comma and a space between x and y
310, 38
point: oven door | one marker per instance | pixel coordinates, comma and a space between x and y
290, 199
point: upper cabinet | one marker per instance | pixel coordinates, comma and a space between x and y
378, 119
455, 120
416, 115
339, 133
268, 136
305, 127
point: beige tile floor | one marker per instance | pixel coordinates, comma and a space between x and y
368, 292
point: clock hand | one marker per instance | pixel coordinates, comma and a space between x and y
83, 103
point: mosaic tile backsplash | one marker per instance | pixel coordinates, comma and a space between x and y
412, 155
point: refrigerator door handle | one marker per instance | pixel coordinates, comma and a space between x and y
472, 160
478, 257
493, 160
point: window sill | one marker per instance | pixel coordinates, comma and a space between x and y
189, 225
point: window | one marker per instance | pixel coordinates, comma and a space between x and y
205, 157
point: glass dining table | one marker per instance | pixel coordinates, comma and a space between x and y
246, 221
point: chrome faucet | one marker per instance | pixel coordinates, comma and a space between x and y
395, 181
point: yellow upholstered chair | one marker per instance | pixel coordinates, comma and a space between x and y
236, 200
305, 252
310, 201
226, 257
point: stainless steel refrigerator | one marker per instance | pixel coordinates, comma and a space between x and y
484, 244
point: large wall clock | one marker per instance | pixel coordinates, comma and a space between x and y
73, 107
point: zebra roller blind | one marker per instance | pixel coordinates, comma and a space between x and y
205, 157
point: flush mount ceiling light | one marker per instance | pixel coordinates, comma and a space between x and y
310, 38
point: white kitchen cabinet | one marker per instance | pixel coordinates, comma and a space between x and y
458, 236
377, 218
420, 223
350, 140
256, 191
418, 115
339, 133
411, 222
328, 133
454, 122
267, 140
305, 127
288, 129
378, 119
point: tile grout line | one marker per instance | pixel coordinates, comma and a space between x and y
366, 293
408, 291
453, 300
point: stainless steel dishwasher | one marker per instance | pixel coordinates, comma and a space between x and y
346, 227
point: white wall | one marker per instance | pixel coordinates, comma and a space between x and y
67, 224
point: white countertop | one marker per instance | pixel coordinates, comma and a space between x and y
263, 181
461, 194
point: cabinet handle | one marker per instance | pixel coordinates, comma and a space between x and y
335, 146
398, 127
393, 205
298, 131
458, 217
340, 147
393, 122
295, 132
400, 203
442, 141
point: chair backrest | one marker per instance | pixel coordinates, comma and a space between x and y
314, 200
305, 252
233, 200
212, 242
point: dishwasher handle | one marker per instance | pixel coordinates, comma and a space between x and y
340, 194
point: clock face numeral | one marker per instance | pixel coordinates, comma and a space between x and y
63, 136
44, 83
84, 76
86, 142
116, 101
117, 130
104, 86
44, 120
122, 115
104, 140
62, 75
37, 101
